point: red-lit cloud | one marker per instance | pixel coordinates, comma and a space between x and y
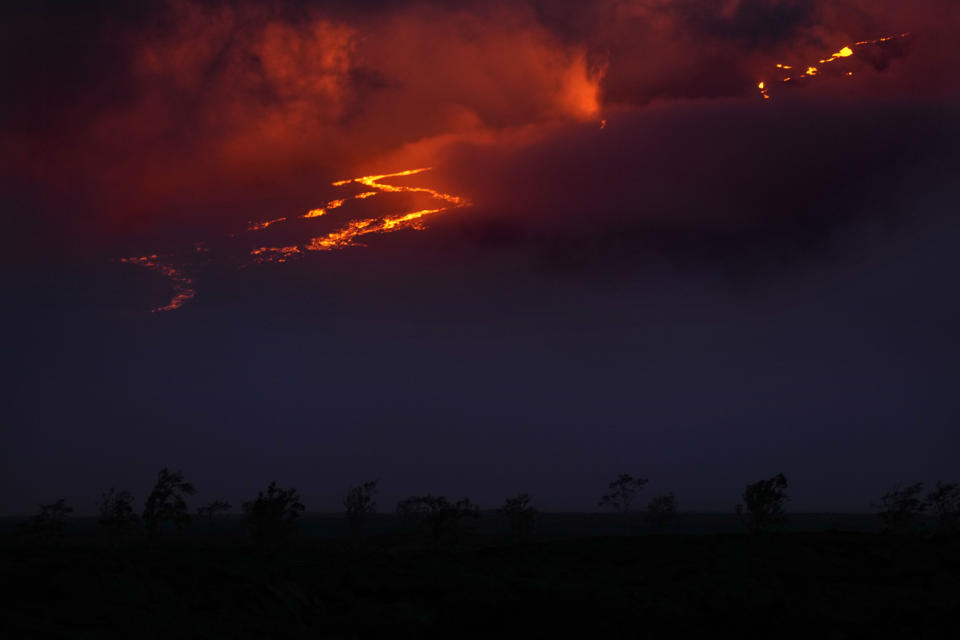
230, 108
213, 116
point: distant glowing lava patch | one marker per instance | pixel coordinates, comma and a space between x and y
346, 235
812, 70
182, 285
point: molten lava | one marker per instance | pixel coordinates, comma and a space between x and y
347, 235
182, 285
259, 226
811, 70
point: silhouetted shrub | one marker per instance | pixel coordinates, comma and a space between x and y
437, 515
622, 492
48, 525
661, 509
166, 502
213, 509
359, 503
944, 501
763, 503
521, 515
901, 508
116, 512
272, 517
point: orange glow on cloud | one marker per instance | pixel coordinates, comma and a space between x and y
582, 90
579, 100
241, 103
232, 112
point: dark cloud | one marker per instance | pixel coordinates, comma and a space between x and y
704, 181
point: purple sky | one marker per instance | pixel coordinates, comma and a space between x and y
707, 289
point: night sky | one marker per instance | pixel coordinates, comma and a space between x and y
625, 255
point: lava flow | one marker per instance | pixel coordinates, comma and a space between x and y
813, 70
259, 226
347, 235
182, 285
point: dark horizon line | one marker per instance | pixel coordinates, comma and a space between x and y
493, 511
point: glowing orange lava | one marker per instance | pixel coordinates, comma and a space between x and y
811, 71
182, 285
846, 52
316, 213
257, 226
347, 235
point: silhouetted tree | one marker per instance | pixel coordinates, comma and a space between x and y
116, 512
272, 517
438, 515
945, 503
521, 515
661, 509
359, 503
166, 503
211, 510
622, 492
48, 525
901, 508
763, 503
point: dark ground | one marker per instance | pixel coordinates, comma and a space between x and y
318, 526
213, 584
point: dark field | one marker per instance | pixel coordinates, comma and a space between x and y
490, 525
580, 575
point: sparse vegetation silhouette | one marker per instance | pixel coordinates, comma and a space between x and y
437, 515
48, 525
117, 514
213, 509
388, 584
167, 501
622, 492
661, 510
272, 517
360, 503
521, 514
900, 508
944, 502
763, 503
